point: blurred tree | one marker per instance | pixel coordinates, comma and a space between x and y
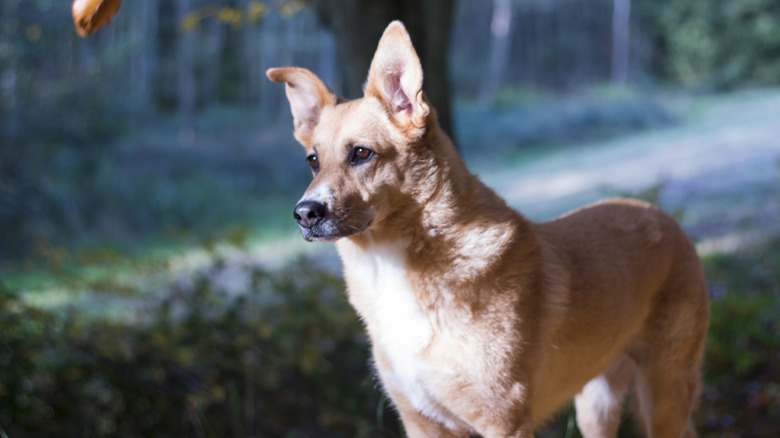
359, 24
214, 37
251, 56
8, 73
143, 64
186, 75
499, 50
621, 19
717, 45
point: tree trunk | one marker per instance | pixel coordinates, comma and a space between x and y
358, 25
212, 67
270, 57
143, 65
621, 16
499, 51
186, 75
8, 73
252, 68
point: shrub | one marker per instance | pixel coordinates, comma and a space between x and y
286, 359
714, 44
741, 395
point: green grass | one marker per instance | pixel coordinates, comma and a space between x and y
71, 267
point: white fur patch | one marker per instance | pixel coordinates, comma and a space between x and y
320, 193
398, 326
600, 397
479, 247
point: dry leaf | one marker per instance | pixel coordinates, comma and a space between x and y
91, 15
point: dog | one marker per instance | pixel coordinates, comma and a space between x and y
480, 321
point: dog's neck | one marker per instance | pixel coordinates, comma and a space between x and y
456, 228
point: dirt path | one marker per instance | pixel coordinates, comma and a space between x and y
721, 166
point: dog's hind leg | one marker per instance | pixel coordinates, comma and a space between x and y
669, 381
666, 401
600, 402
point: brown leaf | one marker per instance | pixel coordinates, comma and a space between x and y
91, 15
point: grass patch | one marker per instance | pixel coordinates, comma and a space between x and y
524, 119
101, 264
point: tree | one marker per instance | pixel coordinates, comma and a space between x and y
621, 15
186, 75
358, 24
499, 50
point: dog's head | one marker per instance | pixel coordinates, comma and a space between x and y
361, 152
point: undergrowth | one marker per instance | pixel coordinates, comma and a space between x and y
287, 358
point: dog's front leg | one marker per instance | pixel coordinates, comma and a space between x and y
514, 423
515, 431
494, 409
418, 425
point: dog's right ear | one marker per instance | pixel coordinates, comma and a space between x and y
307, 95
395, 78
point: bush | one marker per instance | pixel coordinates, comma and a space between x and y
715, 44
741, 395
286, 359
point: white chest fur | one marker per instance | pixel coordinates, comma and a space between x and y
377, 281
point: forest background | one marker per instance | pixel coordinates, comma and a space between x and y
152, 281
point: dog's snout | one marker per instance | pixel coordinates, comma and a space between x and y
309, 213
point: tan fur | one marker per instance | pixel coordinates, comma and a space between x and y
481, 321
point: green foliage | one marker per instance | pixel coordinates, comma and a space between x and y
286, 359
743, 351
50, 164
59, 183
741, 395
715, 44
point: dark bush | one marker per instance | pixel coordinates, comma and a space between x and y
289, 358
286, 359
741, 396
715, 45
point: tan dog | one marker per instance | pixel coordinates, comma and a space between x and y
482, 322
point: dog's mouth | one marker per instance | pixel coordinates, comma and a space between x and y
329, 230
319, 222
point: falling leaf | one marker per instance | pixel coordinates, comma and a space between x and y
91, 15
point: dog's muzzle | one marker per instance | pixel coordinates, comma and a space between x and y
319, 223
311, 218
309, 213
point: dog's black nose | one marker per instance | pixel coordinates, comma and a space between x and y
308, 213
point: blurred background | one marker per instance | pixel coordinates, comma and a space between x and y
153, 281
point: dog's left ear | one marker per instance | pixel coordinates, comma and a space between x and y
307, 95
395, 77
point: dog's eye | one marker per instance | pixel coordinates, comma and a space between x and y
314, 162
360, 155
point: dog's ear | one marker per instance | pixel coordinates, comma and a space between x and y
307, 95
395, 77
